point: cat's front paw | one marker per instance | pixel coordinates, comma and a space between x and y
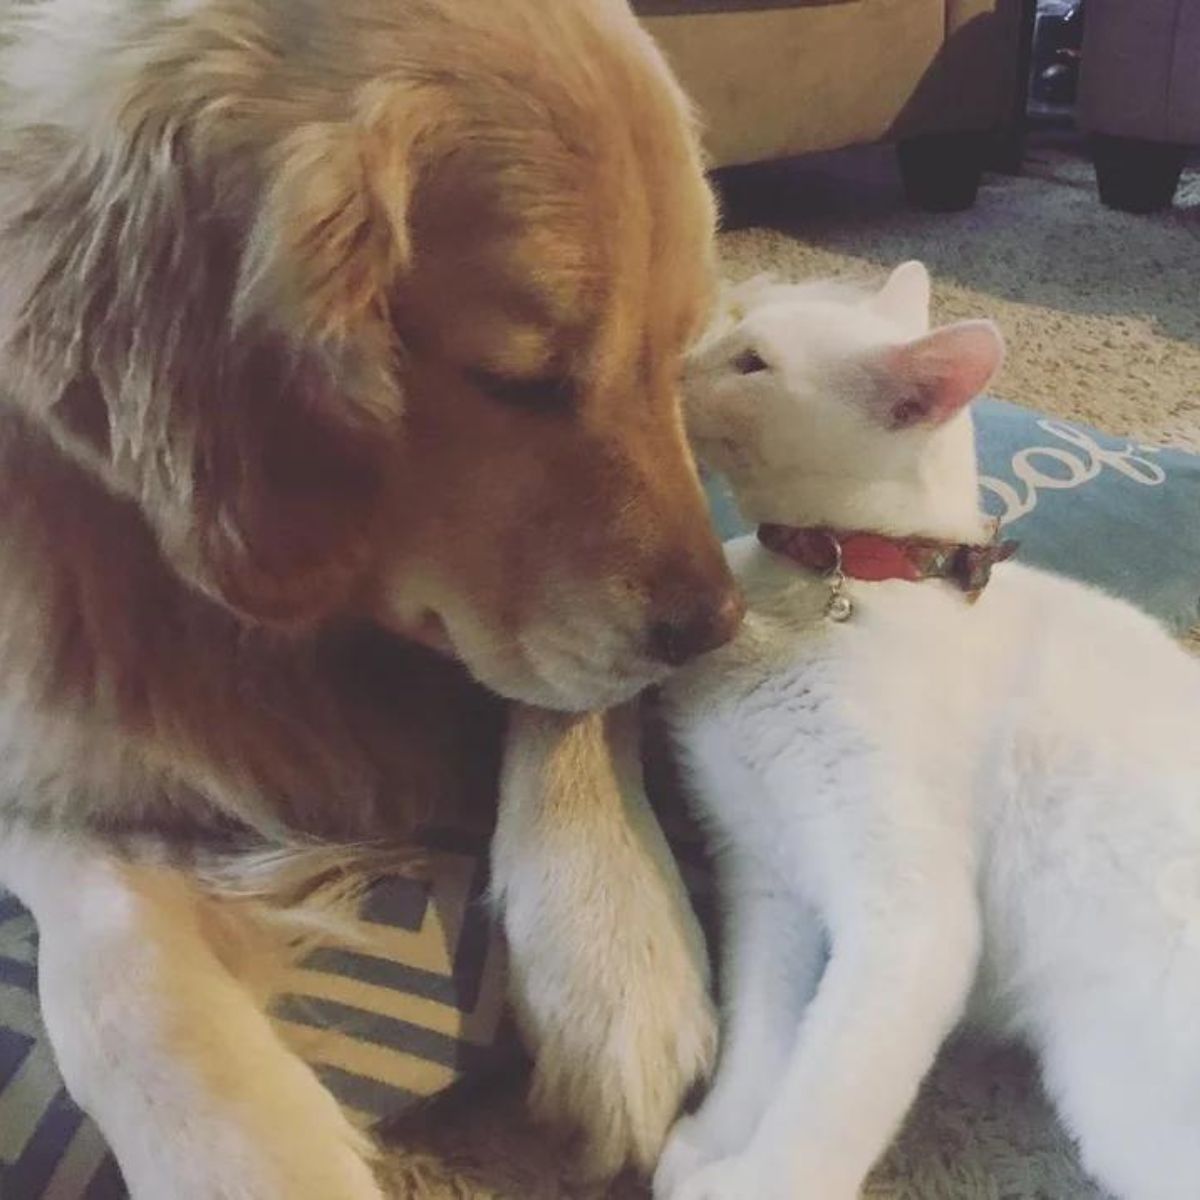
754, 1174
691, 1146
737, 1177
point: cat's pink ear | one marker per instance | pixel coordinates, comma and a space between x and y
934, 377
904, 299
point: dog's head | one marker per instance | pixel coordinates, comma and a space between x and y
379, 308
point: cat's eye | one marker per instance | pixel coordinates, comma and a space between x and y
750, 362
550, 393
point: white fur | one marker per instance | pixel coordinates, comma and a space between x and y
165, 1049
987, 811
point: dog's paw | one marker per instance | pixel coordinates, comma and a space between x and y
619, 1018
617, 1056
609, 971
263, 1175
210, 1153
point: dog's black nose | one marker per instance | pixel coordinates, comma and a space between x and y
697, 629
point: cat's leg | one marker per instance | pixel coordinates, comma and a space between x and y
170, 1055
609, 971
773, 955
1122, 1062
904, 933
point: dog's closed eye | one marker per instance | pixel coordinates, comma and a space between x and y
750, 362
550, 393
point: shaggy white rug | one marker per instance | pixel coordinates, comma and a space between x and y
1102, 317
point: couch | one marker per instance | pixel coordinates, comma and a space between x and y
774, 79
1139, 96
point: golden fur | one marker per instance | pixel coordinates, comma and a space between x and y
318, 319
322, 323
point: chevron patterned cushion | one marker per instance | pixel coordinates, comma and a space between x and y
409, 1005
48, 1148
415, 1004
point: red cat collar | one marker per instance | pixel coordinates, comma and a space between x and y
874, 557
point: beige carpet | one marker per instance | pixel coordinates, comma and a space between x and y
1101, 310
1102, 314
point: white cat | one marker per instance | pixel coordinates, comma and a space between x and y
985, 809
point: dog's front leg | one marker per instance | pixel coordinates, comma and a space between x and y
164, 1048
609, 970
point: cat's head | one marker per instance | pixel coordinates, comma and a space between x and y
825, 404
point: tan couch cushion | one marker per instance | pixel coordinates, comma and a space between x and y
675, 8
792, 80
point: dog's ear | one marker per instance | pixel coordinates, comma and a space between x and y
332, 232
205, 323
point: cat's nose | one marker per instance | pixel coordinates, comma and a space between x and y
696, 628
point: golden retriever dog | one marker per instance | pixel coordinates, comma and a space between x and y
328, 329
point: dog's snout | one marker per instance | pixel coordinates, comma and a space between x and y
697, 628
